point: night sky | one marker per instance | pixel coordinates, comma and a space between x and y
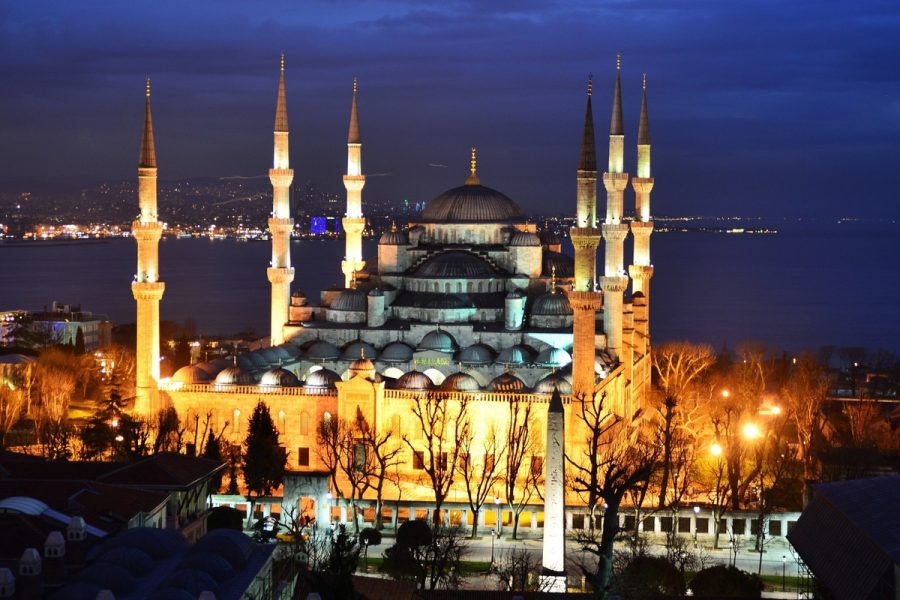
757, 108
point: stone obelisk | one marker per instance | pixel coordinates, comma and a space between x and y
553, 574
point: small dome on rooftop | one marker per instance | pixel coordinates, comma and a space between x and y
396, 352
551, 305
506, 382
394, 237
414, 380
551, 382
322, 379
357, 349
191, 374
279, 377
524, 238
234, 376
553, 357
350, 300
477, 354
460, 382
515, 355
322, 350
438, 340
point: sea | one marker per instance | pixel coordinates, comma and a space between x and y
813, 283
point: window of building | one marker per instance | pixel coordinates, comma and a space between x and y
304, 423
303, 457
418, 460
236, 421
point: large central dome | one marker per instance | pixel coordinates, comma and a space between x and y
472, 203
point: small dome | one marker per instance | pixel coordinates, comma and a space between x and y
245, 362
414, 380
515, 355
438, 340
551, 305
553, 357
291, 349
451, 301
375, 293
279, 377
281, 354
211, 564
362, 366
358, 349
524, 238
298, 294
322, 379
233, 546
191, 374
477, 354
234, 376
551, 382
322, 350
548, 238
396, 352
351, 301
215, 365
270, 355
514, 295
455, 264
394, 238
460, 382
506, 382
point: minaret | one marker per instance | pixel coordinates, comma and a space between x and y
615, 180
354, 180
280, 272
585, 238
642, 226
553, 575
146, 287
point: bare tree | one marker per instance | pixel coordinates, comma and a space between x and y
519, 476
614, 459
384, 456
444, 424
481, 471
679, 365
344, 453
12, 407
804, 395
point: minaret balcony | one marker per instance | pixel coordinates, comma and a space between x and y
642, 185
614, 283
148, 290
641, 228
146, 231
615, 232
281, 177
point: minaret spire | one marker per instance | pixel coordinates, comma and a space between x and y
616, 122
641, 269
280, 272
146, 288
353, 222
585, 238
644, 123
148, 149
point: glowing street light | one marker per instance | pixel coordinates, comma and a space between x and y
716, 449
752, 431
725, 393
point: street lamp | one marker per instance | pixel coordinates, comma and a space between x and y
493, 535
366, 553
696, 513
497, 504
783, 567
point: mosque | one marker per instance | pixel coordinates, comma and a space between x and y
469, 301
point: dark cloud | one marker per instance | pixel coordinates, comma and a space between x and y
763, 107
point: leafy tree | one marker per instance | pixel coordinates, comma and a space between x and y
725, 581
79, 341
169, 434
264, 458
213, 451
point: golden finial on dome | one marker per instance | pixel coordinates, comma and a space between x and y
393, 226
362, 353
553, 279
618, 62
282, 62
473, 169
644, 82
355, 86
148, 87
590, 84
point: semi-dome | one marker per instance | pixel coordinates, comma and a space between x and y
350, 300
396, 352
322, 379
524, 238
551, 382
506, 382
471, 203
438, 340
270, 355
414, 380
322, 350
191, 374
234, 376
551, 304
260, 360
553, 357
359, 349
460, 382
515, 355
279, 377
455, 264
477, 354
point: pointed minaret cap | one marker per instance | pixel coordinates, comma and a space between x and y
281, 120
617, 123
644, 124
148, 149
556, 404
353, 136
473, 169
587, 159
